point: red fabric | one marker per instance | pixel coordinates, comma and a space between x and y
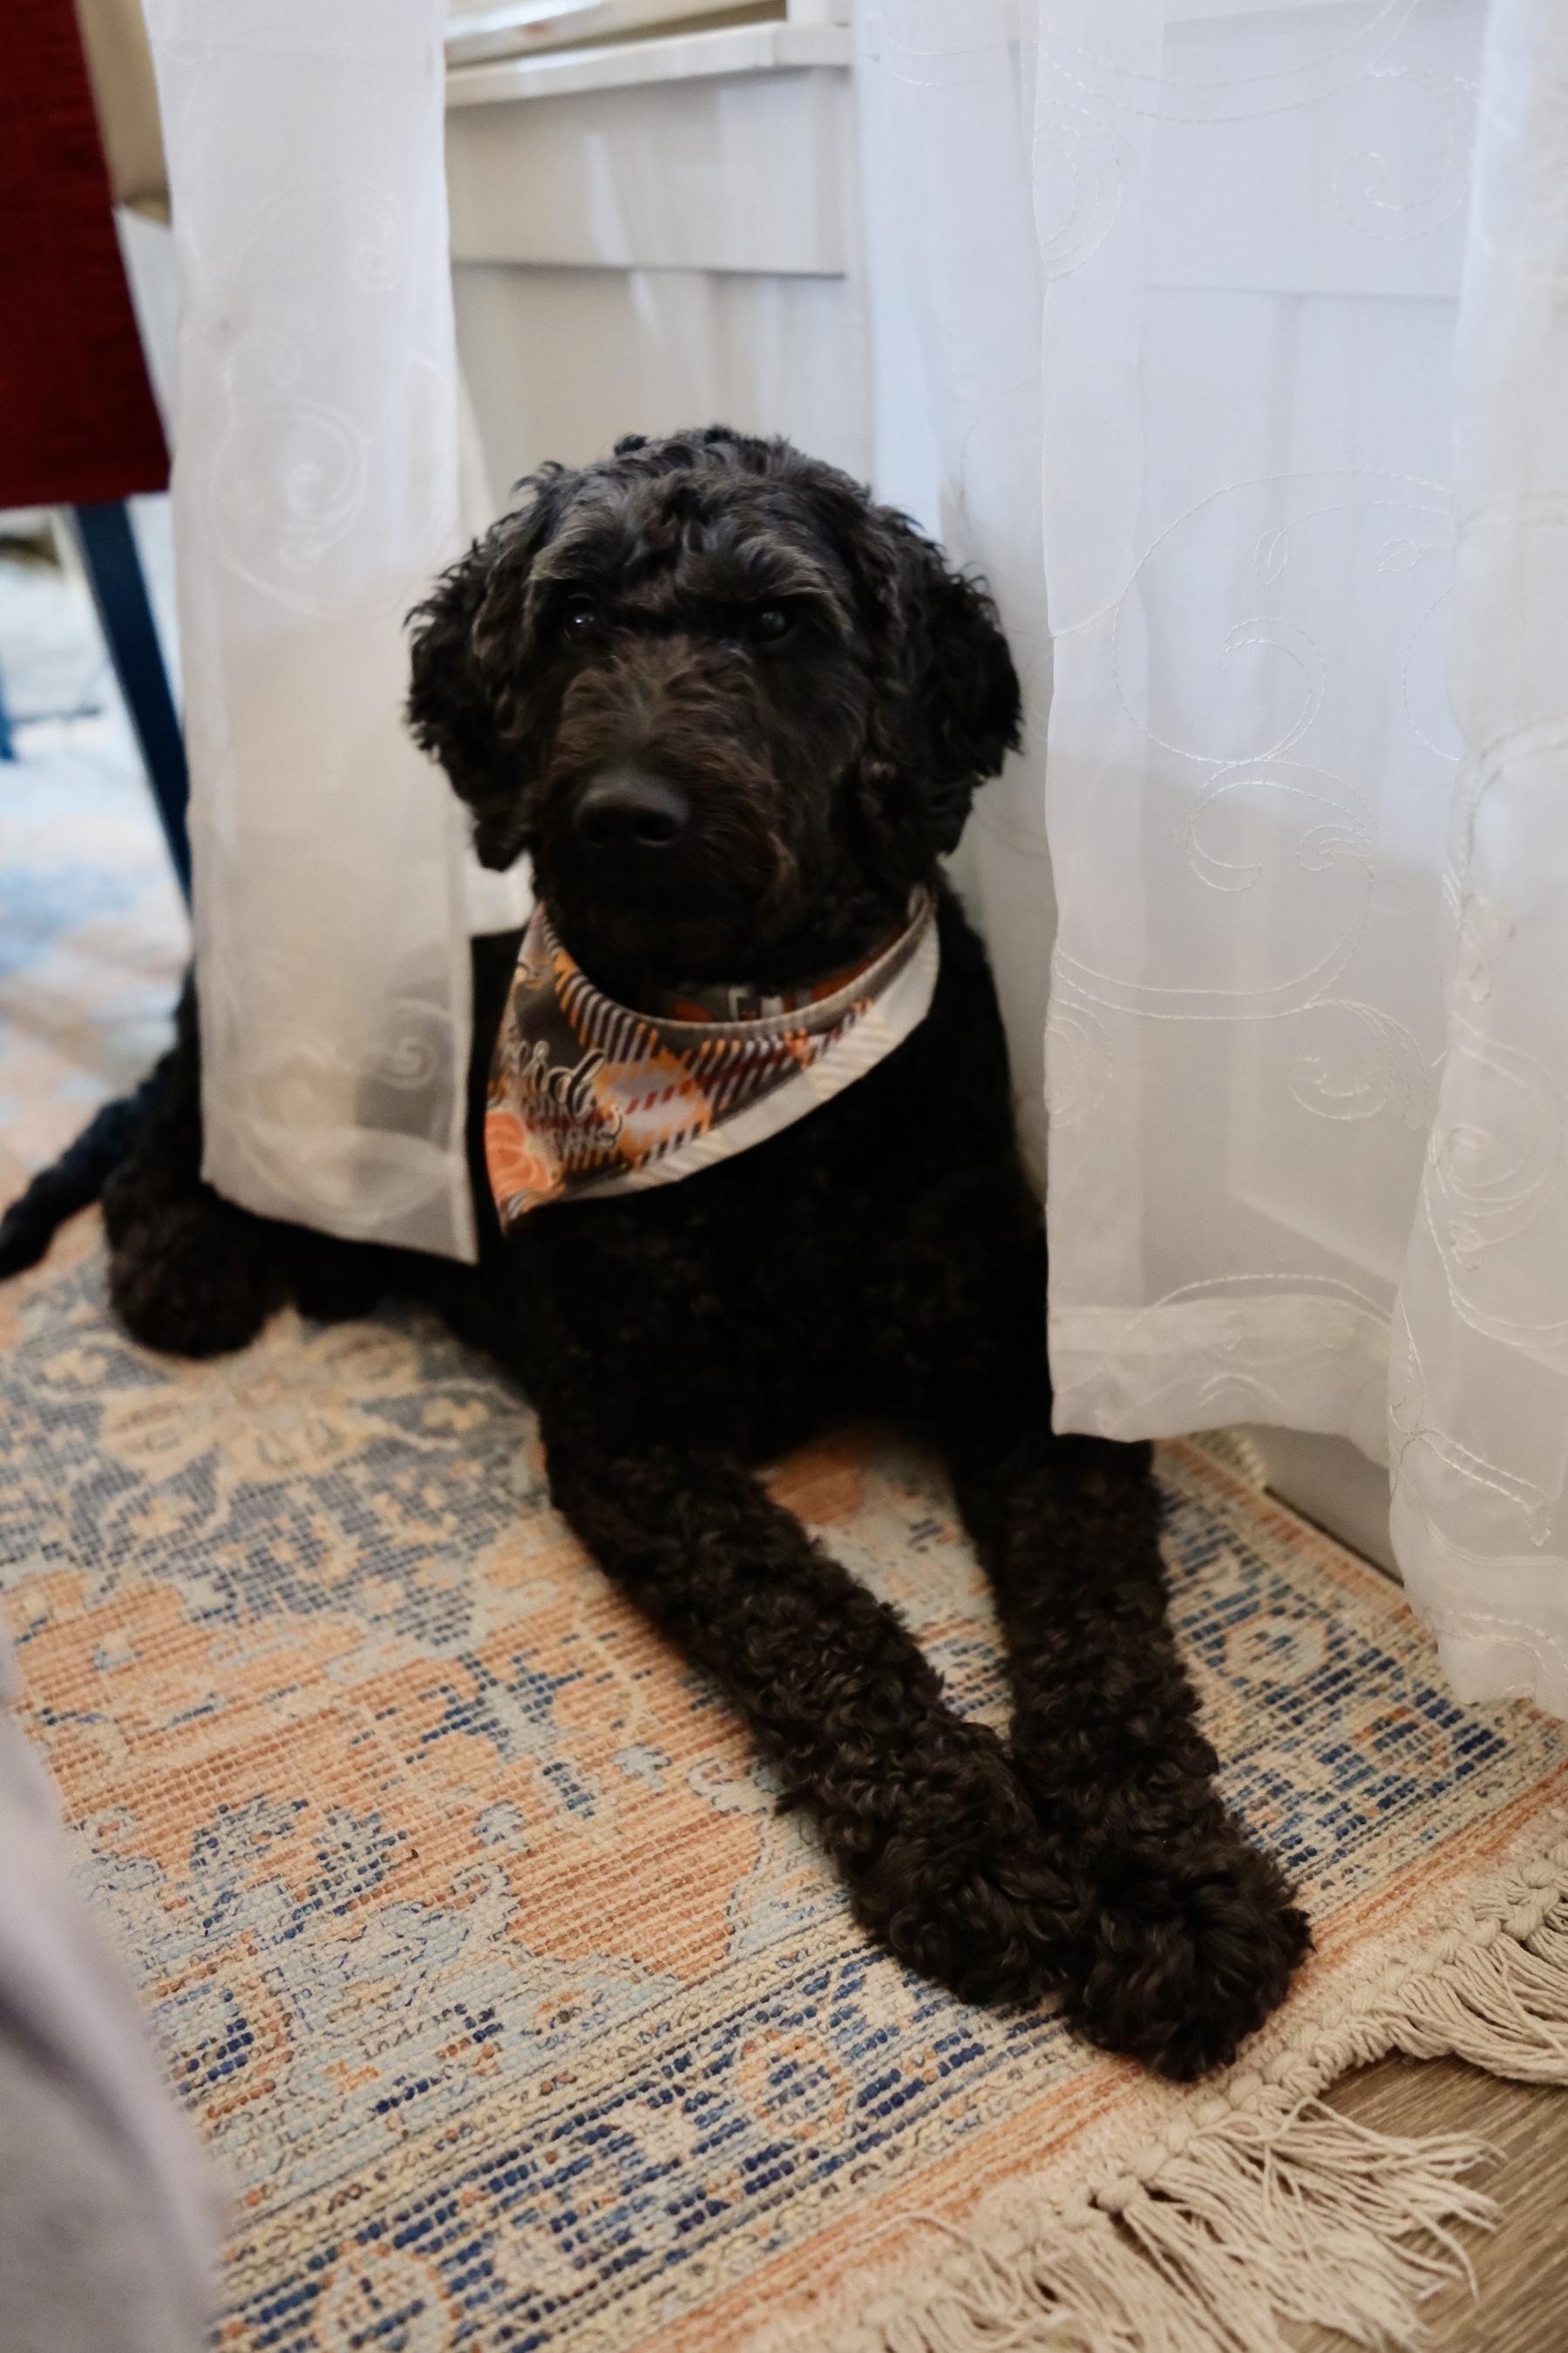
77, 420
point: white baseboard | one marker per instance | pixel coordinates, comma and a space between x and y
1330, 1482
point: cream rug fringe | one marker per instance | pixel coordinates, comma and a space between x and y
1257, 2203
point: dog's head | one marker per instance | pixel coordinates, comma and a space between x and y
734, 709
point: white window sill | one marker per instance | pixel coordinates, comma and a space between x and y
625, 65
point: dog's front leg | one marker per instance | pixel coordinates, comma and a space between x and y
192, 1273
920, 1810
189, 1273
1189, 1937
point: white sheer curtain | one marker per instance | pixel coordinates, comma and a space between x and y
315, 494
945, 96
1478, 1394
1205, 308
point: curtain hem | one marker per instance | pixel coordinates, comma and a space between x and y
1299, 1361
1502, 1623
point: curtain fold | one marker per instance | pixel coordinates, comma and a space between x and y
315, 494
947, 130
1254, 224
1479, 1390
1304, 1056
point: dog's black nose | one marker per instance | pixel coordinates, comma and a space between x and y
627, 809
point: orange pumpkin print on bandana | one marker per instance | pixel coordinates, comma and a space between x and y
521, 1176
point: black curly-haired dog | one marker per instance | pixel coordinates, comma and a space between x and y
735, 712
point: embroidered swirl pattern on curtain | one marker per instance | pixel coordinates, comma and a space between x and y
1479, 1383
315, 494
1294, 1012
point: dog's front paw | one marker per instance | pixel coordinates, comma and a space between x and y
331, 1281
192, 1278
1192, 1946
950, 1873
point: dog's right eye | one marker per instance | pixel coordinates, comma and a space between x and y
580, 617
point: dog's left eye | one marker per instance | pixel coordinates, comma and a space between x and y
580, 617
771, 622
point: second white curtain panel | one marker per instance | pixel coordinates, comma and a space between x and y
1185, 283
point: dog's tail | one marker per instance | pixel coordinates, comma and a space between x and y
75, 1179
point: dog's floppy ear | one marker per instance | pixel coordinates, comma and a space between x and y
947, 706
961, 705
468, 663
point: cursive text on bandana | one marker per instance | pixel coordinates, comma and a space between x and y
589, 1097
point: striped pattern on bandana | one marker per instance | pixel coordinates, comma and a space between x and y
589, 1097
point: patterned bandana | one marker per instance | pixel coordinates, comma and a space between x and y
587, 1097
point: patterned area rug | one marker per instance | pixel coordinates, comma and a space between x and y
513, 2009
516, 2015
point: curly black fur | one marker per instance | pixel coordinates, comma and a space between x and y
725, 616
75, 1179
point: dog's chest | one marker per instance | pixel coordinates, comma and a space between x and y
745, 1295
763, 1296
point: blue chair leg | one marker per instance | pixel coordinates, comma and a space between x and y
7, 749
114, 575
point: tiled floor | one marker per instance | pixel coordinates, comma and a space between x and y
94, 936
